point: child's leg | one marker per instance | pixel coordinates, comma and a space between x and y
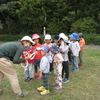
80, 57
26, 71
66, 68
75, 63
51, 67
63, 70
45, 81
37, 63
35, 69
55, 74
59, 78
31, 70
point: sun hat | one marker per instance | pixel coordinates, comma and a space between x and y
80, 34
74, 36
28, 38
44, 48
61, 35
65, 40
47, 36
55, 48
56, 37
35, 36
64, 37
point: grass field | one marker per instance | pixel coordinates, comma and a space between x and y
83, 85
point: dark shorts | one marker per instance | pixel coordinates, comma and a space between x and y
37, 62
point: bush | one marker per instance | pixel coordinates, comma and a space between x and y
89, 38
6, 38
85, 25
92, 39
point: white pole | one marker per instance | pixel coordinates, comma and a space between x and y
44, 31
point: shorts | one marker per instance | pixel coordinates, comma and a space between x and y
37, 62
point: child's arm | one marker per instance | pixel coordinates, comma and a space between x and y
63, 47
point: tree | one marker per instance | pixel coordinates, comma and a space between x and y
85, 25
5, 10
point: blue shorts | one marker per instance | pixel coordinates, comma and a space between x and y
37, 62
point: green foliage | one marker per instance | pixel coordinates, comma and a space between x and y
92, 39
85, 25
89, 38
30, 16
53, 28
6, 38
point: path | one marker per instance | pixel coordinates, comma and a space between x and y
92, 47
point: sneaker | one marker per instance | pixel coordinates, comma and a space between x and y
29, 79
50, 72
65, 80
45, 92
23, 94
40, 77
58, 88
54, 84
42, 88
75, 70
1, 91
80, 66
35, 76
26, 79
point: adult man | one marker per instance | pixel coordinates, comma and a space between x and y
11, 51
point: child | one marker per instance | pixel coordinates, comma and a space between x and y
29, 70
56, 38
69, 52
82, 45
48, 40
57, 60
65, 48
36, 38
44, 70
74, 47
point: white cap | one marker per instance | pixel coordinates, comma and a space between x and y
47, 36
28, 38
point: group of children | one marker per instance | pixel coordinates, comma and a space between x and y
49, 57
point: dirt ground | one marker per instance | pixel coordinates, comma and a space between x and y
92, 47
86, 47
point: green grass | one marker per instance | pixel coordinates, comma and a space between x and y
83, 85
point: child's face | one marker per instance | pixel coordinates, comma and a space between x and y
43, 53
36, 41
80, 38
70, 39
48, 41
52, 52
25, 43
55, 41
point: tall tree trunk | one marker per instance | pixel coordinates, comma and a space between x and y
75, 9
7, 22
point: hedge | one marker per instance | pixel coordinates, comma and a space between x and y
89, 38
